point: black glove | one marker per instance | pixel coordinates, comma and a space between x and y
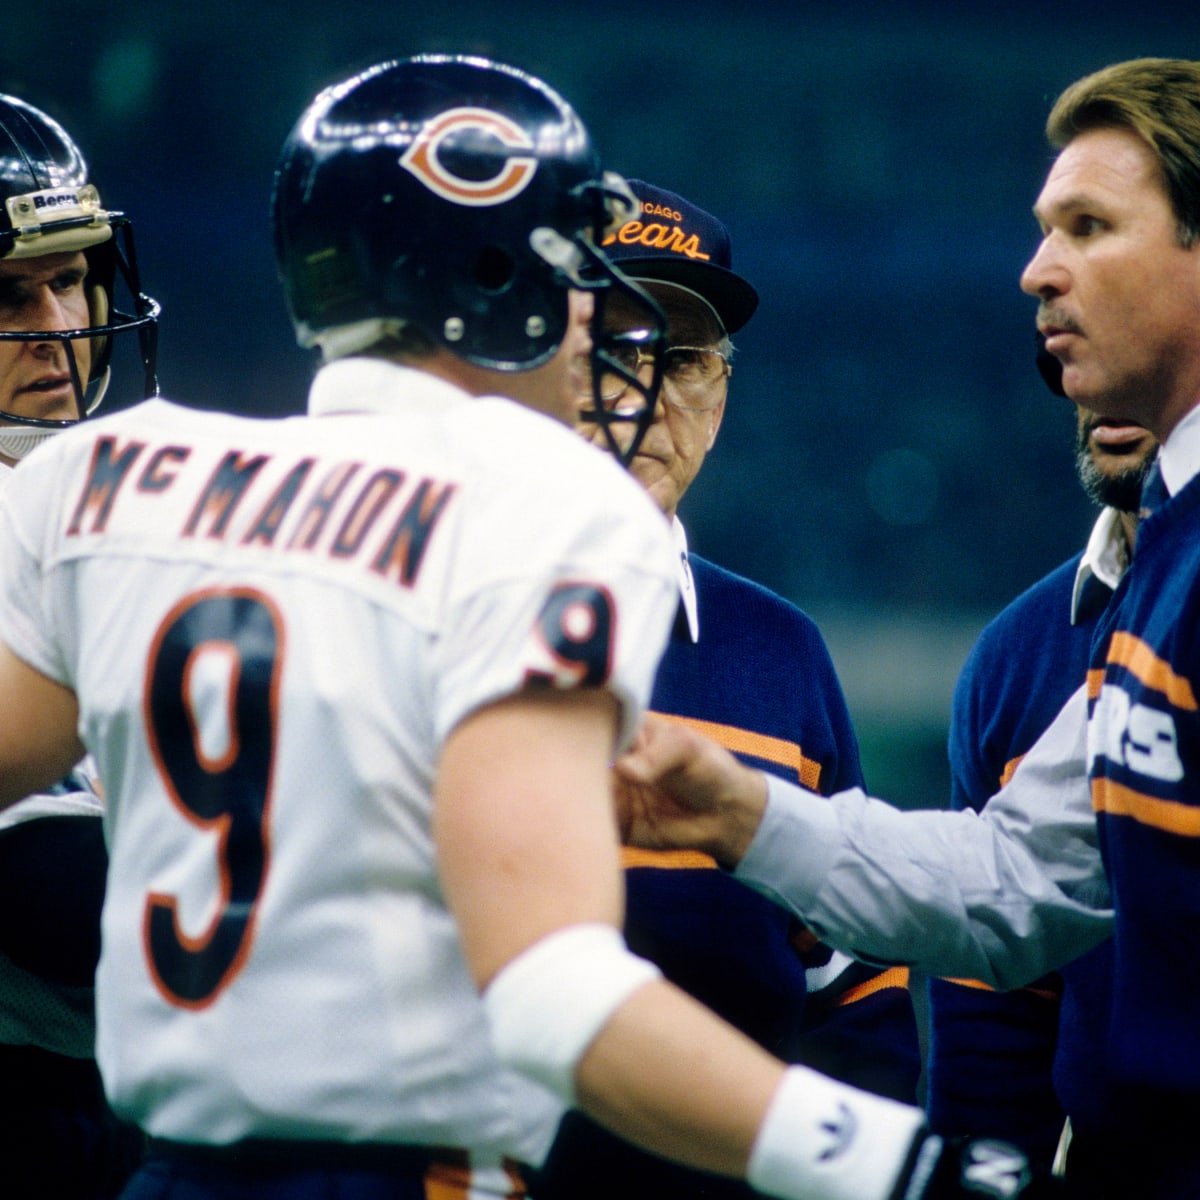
975, 1169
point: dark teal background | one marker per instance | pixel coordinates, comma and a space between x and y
889, 460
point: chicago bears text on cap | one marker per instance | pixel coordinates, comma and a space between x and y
675, 241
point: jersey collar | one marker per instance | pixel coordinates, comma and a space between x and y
1103, 563
687, 585
372, 385
1179, 457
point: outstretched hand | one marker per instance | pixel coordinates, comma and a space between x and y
677, 789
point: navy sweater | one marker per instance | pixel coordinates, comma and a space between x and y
1144, 738
761, 682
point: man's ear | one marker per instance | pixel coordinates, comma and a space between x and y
714, 423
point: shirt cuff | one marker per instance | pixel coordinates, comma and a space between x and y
795, 842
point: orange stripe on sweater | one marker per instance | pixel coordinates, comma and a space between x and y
1168, 815
759, 745
1140, 660
893, 977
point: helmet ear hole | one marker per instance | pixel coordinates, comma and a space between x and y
98, 307
494, 269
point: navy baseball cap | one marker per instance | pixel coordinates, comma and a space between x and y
673, 241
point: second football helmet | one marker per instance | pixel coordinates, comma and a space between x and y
49, 207
458, 196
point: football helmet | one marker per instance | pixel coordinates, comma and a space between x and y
49, 206
461, 197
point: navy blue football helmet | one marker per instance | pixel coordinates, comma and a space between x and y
49, 206
461, 197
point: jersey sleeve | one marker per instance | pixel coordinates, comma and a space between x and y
587, 603
26, 598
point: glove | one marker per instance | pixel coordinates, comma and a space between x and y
975, 1169
822, 1138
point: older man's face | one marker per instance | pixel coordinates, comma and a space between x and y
686, 420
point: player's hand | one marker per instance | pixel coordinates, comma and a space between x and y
975, 1169
677, 789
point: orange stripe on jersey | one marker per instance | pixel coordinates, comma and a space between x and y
449, 1180
978, 985
1168, 815
759, 745
634, 856
893, 977
1140, 660
444, 1182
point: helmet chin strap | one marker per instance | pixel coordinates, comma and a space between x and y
16, 441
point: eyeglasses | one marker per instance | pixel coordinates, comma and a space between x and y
690, 374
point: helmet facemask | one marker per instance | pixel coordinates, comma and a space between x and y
108, 258
624, 419
621, 403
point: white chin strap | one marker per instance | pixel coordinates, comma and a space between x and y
16, 441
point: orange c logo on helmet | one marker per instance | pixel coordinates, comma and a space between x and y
421, 158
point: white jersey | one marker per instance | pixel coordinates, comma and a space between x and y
271, 626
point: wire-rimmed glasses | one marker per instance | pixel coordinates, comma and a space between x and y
691, 374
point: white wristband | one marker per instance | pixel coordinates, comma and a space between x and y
824, 1138
550, 1002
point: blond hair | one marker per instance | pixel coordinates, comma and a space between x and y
1158, 99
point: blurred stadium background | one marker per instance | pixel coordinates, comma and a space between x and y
889, 459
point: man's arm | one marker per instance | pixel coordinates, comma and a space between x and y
38, 740
529, 861
527, 847
1002, 897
